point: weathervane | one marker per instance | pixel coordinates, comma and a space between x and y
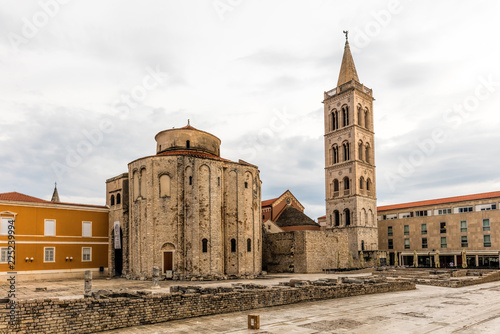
346, 32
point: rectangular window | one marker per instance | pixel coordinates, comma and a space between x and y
442, 227
424, 242
444, 211
423, 228
86, 229
487, 240
4, 229
407, 243
86, 254
486, 224
50, 254
4, 255
407, 229
406, 215
422, 213
389, 231
50, 227
464, 209
443, 242
486, 207
463, 226
464, 241
390, 244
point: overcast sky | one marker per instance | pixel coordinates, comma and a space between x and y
86, 85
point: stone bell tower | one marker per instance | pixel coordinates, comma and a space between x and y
351, 203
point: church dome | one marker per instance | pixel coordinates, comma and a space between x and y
187, 138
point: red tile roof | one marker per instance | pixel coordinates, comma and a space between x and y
18, 197
440, 201
269, 202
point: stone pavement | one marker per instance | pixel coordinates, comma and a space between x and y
429, 309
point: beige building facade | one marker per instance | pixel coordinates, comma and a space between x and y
350, 159
188, 211
453, 230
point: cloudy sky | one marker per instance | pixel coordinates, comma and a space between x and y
86, 85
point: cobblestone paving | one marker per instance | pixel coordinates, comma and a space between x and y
428, 309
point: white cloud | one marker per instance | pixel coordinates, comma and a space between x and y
232, 76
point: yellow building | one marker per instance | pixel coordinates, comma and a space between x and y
445, 228
52, 238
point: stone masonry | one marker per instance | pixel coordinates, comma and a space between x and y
189, 211
115, 310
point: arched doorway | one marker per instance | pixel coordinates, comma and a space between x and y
168, 251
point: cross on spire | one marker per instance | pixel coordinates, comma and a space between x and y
346, 32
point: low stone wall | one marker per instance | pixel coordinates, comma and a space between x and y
450, 278
463, 281
115, 310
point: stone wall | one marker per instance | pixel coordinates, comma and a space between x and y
305, 251
206, 216
445, 278
92, 315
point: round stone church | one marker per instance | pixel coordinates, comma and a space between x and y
185, 210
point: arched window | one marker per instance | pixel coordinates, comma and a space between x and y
204, 245
345, 115
135, 177
190, 180
249, 245
347, 214
360, 151
346, 185
335, 185
367, 153
142, 183
336, 215
188, 144
118, 198
346, 151
233, 245
164, 185
367, 118
335, 154
112, 200
335, 120
360, 116
368, 185
361, 182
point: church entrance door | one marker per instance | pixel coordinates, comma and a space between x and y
168, 261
